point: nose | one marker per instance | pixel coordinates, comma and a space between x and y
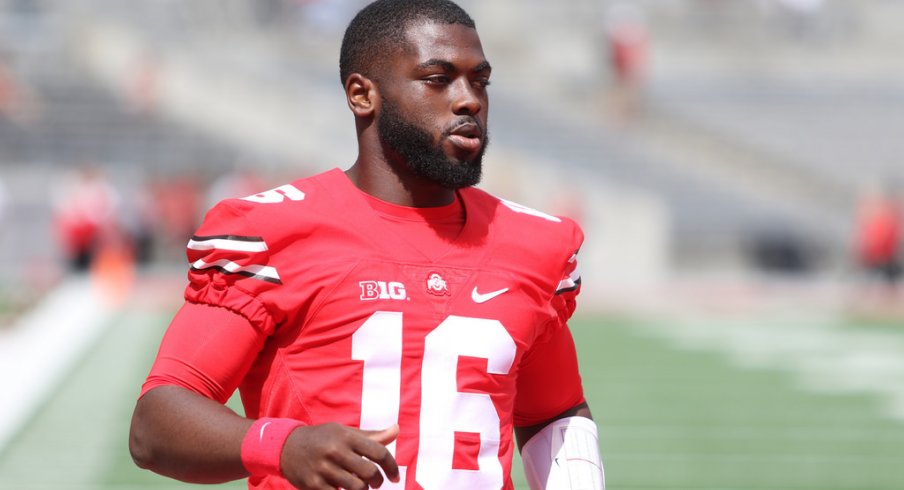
466, 99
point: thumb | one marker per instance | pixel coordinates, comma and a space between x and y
384, 436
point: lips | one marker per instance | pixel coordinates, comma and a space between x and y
466, 136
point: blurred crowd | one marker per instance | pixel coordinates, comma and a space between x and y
108, 216
151, 223
103, 228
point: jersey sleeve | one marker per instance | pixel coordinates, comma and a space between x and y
229, 303
565, 299
207, 350
231, 266
563, 302
549, 381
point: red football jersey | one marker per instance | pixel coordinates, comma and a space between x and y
365, 329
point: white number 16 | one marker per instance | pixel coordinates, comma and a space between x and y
444, 409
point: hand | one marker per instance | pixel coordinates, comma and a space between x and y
330, 456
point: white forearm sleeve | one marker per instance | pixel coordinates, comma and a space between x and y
564, 455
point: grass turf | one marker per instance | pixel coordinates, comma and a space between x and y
669, 419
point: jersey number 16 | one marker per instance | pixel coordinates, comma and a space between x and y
444, 410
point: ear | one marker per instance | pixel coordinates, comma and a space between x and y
361, 94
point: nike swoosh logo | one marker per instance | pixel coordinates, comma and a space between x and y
483, 298
262, 431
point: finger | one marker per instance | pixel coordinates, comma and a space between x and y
346, 481
363, 469
379, 454
384, 436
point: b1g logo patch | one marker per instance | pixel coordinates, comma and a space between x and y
373, 290
436, 285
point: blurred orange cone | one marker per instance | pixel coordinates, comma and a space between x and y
113, 273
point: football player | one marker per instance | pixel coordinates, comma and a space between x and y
389, 325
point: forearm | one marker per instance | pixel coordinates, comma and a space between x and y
563, 453
183, 435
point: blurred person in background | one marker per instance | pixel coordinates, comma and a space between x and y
17, 102
142, 85
177, 200
88, 219
878, 238
387, 326
85, 214
628, 39
140, 219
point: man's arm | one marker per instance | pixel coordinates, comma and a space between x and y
186, 436
181, 434
178, 432
561, 452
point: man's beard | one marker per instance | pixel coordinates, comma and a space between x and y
425, 158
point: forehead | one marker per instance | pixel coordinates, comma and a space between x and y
454, 43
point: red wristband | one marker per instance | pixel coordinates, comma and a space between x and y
263, 445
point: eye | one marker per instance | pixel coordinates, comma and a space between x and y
437, 80
482, 82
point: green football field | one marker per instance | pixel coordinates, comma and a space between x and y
671, 417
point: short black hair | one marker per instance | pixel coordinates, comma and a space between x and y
381, 24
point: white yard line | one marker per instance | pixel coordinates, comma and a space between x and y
37, 352
821, 354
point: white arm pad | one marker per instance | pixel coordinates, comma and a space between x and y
565, 455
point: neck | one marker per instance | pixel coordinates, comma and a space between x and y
387, 185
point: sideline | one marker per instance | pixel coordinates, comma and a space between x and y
823, 353
38, 351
